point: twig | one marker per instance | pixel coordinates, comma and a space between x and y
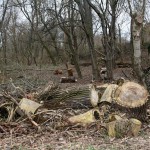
34, 115
11, 143
100, 53
3, 130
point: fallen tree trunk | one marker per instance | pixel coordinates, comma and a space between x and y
70, 79
84, 96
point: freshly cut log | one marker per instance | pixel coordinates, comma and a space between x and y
131, 97
124, 127
86, 118
70, 79
27, 105
83, 96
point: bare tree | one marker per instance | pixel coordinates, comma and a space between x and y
33, 19
14, 16
108, 11
5, 6
3, 35
86, 16
137, 10
65, 17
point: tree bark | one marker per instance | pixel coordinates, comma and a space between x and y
108, 37
136, 27
68, 34
86, 16
84, 96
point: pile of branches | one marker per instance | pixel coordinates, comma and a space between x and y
54, 108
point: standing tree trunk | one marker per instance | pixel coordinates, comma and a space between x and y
136, 28
3, 39
86, 16
68, 33
4, 45
120, 45
108, 29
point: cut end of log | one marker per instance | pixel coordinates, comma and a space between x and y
28, 105
85, 118
94, 96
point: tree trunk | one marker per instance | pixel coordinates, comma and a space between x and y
108, 56
68, 35
74, 56
120, 46
108, 38
112, 30
137, 18
90, 38
46, 48
136, 27
4, 46
86, 16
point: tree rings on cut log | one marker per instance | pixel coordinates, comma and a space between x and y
131, 95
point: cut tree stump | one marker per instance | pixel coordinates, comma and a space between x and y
70, 72
84, 96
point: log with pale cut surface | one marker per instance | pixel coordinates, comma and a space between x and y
83, 96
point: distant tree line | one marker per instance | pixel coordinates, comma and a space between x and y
52, 32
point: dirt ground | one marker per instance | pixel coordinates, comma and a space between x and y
77, 139
69, 138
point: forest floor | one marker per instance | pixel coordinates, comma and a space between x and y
69, 138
